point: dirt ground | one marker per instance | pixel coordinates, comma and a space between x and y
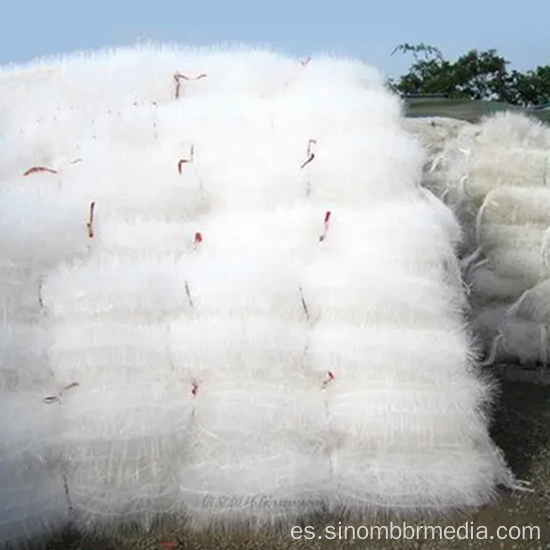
521, 428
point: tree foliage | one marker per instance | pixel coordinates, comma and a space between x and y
475, 75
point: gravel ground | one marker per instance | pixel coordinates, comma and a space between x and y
522, 430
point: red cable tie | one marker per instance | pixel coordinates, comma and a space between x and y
90, 224
198, 238
330, 378
36, 169
57, 398
178, 77
310, 153
326, 224
186, 161
51, 399
188, 294
304, 304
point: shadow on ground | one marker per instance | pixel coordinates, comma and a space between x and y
521, 423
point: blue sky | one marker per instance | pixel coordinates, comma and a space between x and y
29, 30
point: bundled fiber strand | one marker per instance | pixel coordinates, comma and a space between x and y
226, 298
495, 177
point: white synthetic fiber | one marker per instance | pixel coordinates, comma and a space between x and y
510, 338
511, 230
434, 131
434, 134
494, 176
251, 326
506, 149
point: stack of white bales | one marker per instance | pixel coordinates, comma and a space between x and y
495, 177
434, 132
225, 297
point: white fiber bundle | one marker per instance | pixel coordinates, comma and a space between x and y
434, 132
506, 149
520, 331
494, 176
510, 338
512, 234
32, 485
236, 303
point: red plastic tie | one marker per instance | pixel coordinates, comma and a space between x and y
57, 398
178, 77
326, 224
90, 224
304, 304
330, 378
310, 153
181, 162
36, 169
51, 399
71, 386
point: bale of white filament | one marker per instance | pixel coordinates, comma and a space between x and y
494, 176
236, 302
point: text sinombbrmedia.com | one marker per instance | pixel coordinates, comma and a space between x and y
394, 531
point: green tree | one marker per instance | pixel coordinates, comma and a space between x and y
475, 75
